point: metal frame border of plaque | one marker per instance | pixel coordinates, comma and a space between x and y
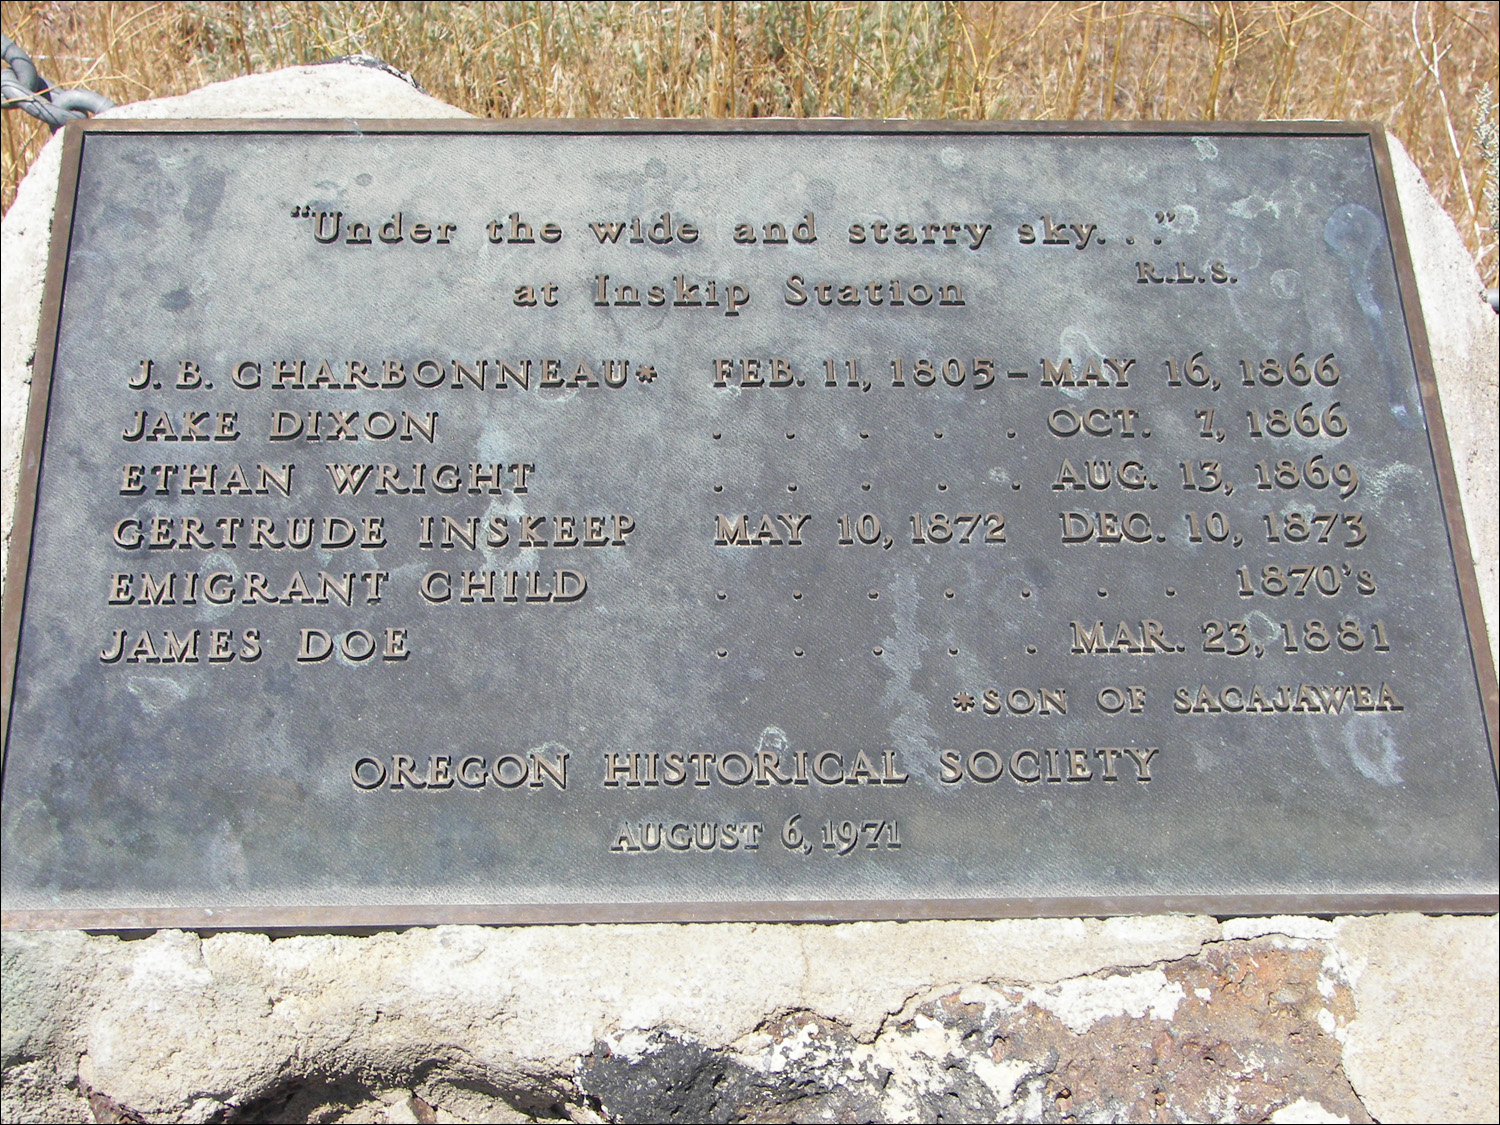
354, 916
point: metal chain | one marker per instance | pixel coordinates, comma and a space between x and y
21, 87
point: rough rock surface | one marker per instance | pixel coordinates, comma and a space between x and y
1162, 1019
1465, 347
1151, 1019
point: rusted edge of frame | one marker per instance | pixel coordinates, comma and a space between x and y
736, 127
49, 324
1461, 555
395, 916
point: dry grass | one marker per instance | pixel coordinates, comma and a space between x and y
1417, 67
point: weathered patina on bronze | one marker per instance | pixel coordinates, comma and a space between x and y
499, 522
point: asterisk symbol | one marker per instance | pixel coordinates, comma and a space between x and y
646, 373
963, 701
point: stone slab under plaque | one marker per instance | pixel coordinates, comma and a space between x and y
496, 522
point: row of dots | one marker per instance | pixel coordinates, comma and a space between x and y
865, 486
874, 595
718, 435
878, 650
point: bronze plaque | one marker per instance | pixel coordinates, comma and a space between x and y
497, 522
